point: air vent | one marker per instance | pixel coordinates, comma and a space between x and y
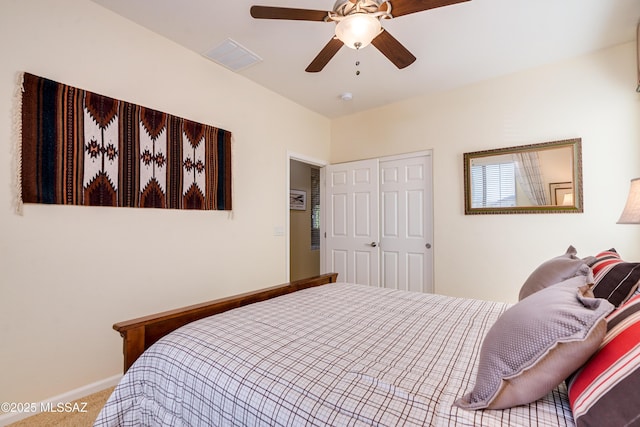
232, 55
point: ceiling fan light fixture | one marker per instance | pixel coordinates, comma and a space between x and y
358, 30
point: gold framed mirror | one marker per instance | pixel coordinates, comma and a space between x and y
535, 178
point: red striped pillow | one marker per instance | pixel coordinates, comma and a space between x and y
614, 279
605, 390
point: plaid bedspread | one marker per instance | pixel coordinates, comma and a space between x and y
337, 355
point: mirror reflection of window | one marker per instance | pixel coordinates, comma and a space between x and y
494, 184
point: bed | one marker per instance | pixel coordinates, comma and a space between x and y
319, 352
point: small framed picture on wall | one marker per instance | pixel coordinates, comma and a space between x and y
298, 200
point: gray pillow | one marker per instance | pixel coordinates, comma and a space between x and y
536, 344
555, 271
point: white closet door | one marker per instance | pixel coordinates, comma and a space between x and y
406, 224
352, 221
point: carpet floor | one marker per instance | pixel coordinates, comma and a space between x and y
95, 402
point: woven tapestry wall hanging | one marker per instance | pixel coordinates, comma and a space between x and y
81, 148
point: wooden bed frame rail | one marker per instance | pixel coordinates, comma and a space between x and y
139, 334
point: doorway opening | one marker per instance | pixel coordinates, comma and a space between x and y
304, 218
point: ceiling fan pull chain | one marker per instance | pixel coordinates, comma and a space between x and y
358, 45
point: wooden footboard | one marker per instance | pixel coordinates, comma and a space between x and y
139, 334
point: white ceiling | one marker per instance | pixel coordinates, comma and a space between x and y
455, 45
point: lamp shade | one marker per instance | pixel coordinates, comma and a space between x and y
631, 212
357, 30
567, 200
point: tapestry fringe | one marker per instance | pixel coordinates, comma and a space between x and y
17, 145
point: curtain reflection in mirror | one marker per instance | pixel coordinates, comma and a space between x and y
530, 177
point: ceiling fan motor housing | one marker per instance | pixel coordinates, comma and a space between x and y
343, 8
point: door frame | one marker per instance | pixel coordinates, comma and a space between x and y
291, 155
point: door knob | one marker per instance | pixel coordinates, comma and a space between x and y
428, 246
373, 244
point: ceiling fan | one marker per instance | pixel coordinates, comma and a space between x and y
357, 25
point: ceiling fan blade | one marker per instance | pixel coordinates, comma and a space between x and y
405, 7
268, 12
393, 49
325, 56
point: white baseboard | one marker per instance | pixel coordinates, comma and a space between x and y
69, 396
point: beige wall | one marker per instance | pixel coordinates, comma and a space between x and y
68, 273
489, 256
304, 261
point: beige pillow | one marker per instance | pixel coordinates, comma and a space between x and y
555, 271
536, 344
